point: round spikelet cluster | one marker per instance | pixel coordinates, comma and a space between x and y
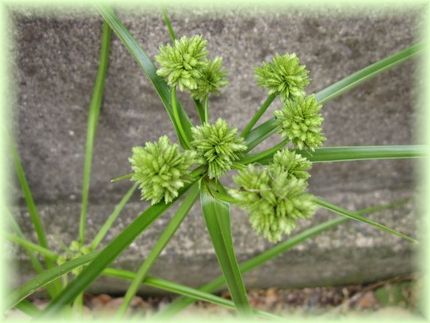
283, 76
292, 163
161, 169
212, 80
182, 64
300, 121
186, 65
274, 199
218, 146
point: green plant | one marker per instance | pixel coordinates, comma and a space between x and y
270, 185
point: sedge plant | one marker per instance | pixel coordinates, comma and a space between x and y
271, 186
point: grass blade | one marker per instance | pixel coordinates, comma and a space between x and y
267, 128
112, 218
33, 259
352, 215
367, 73
93, 117
217, 218
346, 153
148, 67
169, 26
176, 288
45, 278
28, 197
55, 288
108, 254
30, 246
159, 246
181, 303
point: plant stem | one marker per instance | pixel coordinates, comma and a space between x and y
120, 178
182, 133
111, 219
265, 154
258, 115
169, 26
206, 109
159, 247
93, 116
200, 110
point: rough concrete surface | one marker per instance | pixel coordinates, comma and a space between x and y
55, 66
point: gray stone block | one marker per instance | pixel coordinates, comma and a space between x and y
55, 66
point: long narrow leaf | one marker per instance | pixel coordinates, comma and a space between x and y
45, 278
263, 131
108, 254
93, 117
352, 215
55, 288
33, 259
181, 303
347, 153
31, 206
176, 288
112, 218
148, 67
28, 245
159, 246
217, 217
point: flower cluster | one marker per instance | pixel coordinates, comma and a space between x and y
275, 196
74, 251
161, 169
283, 76
218, 146
186, 65
300, 121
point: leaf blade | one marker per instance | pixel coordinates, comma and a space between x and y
217, 218
148, 67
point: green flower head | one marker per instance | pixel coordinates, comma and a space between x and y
218, 146
212, 80
274, 200
182, 65
161, 169
300, 121
284, 76
292, 163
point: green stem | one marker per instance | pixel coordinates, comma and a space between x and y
265, 154
200, 110
178, 119
258, 115
111, 219
351, 215
159, 247
169, 26
93, 116
206, 109
120, 178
